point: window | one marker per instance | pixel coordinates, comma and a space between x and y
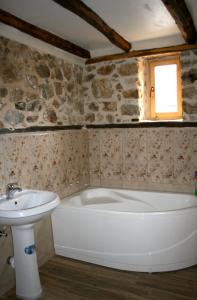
165, 89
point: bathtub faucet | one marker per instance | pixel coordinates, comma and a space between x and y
11, 189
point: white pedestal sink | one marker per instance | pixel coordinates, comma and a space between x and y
21, 213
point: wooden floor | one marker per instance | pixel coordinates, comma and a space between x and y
66, 279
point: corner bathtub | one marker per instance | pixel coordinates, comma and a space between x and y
128, 230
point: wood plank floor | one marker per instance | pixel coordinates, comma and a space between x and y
67, 279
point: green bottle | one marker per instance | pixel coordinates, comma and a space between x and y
195, 181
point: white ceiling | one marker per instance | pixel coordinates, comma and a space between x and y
138, 21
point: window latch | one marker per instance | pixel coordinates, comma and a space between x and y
152, 90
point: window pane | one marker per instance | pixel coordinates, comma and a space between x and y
166, 89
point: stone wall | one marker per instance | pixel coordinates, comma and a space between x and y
111, 92
56, 161
189, 84
38, 88
144, 158
117, 92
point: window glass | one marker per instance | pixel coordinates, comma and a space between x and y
166, 89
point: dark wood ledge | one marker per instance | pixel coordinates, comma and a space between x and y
40, 129
35, 129
143, 125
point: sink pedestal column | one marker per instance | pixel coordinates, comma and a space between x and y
25, 261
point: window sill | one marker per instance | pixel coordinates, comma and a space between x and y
177, 120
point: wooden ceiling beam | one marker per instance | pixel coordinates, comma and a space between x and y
42, 34
141, 53
86, 13
179, 11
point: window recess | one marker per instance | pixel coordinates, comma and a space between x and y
165, 89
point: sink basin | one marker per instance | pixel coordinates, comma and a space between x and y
28, 206
21, 213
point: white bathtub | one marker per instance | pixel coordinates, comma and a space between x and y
128, 230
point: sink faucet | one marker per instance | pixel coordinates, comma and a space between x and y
11, 189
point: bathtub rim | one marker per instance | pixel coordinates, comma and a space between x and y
64, 203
